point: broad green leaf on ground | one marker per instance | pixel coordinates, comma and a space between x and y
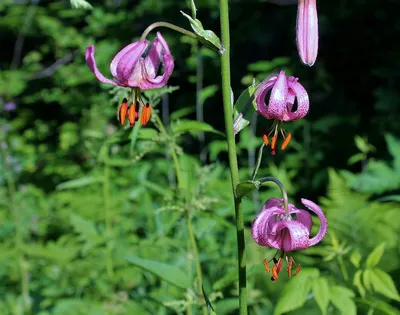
375, 256
296, 290
170, 273
321, 293
383, 284
342, 299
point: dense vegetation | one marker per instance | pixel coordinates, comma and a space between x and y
91, 218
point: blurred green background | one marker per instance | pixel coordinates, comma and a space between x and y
91, 220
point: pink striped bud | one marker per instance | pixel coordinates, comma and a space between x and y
307, 31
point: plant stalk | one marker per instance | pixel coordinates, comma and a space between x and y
233, 165
107, 219
167, 25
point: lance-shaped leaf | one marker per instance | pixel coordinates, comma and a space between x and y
246, 187
207, 37
241, 116
81, 4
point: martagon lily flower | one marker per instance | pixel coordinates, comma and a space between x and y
281, 105
307, 31
134, 68
276, 227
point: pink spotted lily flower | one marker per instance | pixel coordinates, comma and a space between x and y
133, 67
307, 31
286, 230
284, 92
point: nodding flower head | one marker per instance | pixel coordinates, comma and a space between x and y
286, 230
307, 31
134, 68
284, 92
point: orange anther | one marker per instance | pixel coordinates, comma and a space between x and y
290, 261
145, 117
273, 142
265, 137
274, 273
266, 266
286, 142
123, 109
297, 270
132, 114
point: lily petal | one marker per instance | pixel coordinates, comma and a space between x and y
324, 223
292, 235
159, 81
262, 225
261, 94
304, 218
91, 62
303, 102
128, 61
117, 58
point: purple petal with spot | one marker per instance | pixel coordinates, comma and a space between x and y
290, 235
324, 222
297, 91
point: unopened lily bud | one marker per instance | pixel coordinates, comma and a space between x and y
145, 117
123, 110
307, 31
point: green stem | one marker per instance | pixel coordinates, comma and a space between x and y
172, 149
196, 259
107, 219
167, 25
228, 113
282, 188
18, 237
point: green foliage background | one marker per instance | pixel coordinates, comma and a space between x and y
91, 220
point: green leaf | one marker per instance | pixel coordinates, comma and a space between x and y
169, 273
244, 188
321, 293
210, 308
193, 127
193, 7
80, 182
356, 158
357, 282
240, 107
367, 279
355, 258
81, 4
383, 284
342, 299
361, 144
207, 92
394, 149
375, 256
83, 227
296, 290
207, 37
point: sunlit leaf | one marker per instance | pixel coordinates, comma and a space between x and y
321, 293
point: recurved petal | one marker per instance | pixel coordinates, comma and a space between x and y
117, 58
292, 235
91, 62
152, 83
303, 102
277, 101
263, 224
261, 94
128, 61
304, 218
272, 202
324, 223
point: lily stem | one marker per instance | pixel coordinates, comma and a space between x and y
167, 25
282, 188
172, 150
233, 164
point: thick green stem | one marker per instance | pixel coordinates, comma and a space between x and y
18, 237
167, 25
228, 112
107, 220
